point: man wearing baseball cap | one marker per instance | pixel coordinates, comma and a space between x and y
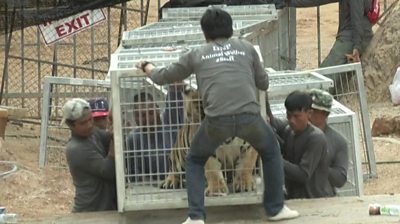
100, 111
337, 144
90, 157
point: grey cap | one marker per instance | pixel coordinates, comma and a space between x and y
75, 109
322, 100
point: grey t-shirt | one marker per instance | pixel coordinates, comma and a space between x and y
92, 171
228, 74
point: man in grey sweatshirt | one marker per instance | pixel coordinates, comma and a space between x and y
354, 31
228, 72
304, 150
90, 157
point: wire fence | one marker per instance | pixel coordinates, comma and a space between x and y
25, 58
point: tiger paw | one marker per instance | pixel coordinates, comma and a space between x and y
172, 182
216, 187
244, 182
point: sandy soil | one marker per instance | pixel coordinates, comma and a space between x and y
33, 192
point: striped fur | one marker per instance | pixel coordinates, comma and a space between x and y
234, 154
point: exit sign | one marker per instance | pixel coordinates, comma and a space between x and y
54, 31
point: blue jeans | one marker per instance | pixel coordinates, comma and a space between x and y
212, 132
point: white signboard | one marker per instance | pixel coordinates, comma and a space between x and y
56, 30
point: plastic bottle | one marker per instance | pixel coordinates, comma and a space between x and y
377, 209
8, 218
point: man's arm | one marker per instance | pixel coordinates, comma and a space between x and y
302, 172
338, 170
176, 71
308, 3
105, 138
135, 145
91, 161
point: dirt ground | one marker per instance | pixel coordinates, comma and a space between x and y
32, 192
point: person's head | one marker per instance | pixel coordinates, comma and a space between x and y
298, 106
100, 110
78, 116
216, 23
321, 107
146, 111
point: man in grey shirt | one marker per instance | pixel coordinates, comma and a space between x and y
337, 146
304, 150
228, 72
90, 157
354, 31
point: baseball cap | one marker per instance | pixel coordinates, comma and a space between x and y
74, 109
322, 100
99, 107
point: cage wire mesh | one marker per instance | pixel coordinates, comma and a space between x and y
157, 124
84, 55
284, 82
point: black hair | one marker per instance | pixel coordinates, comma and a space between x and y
70, 123
298, 101
216, 23
143, 97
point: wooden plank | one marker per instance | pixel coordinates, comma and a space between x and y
15, 112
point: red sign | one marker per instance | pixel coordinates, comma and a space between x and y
56, 30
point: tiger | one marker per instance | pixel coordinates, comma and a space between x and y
234, 154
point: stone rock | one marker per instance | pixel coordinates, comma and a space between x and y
385, 125
382, 57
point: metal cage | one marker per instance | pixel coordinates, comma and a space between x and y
148, 176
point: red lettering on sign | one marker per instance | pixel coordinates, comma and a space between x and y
71, 26
79, 22
85, 18
60, 31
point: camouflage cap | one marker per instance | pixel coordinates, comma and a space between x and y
322, 100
